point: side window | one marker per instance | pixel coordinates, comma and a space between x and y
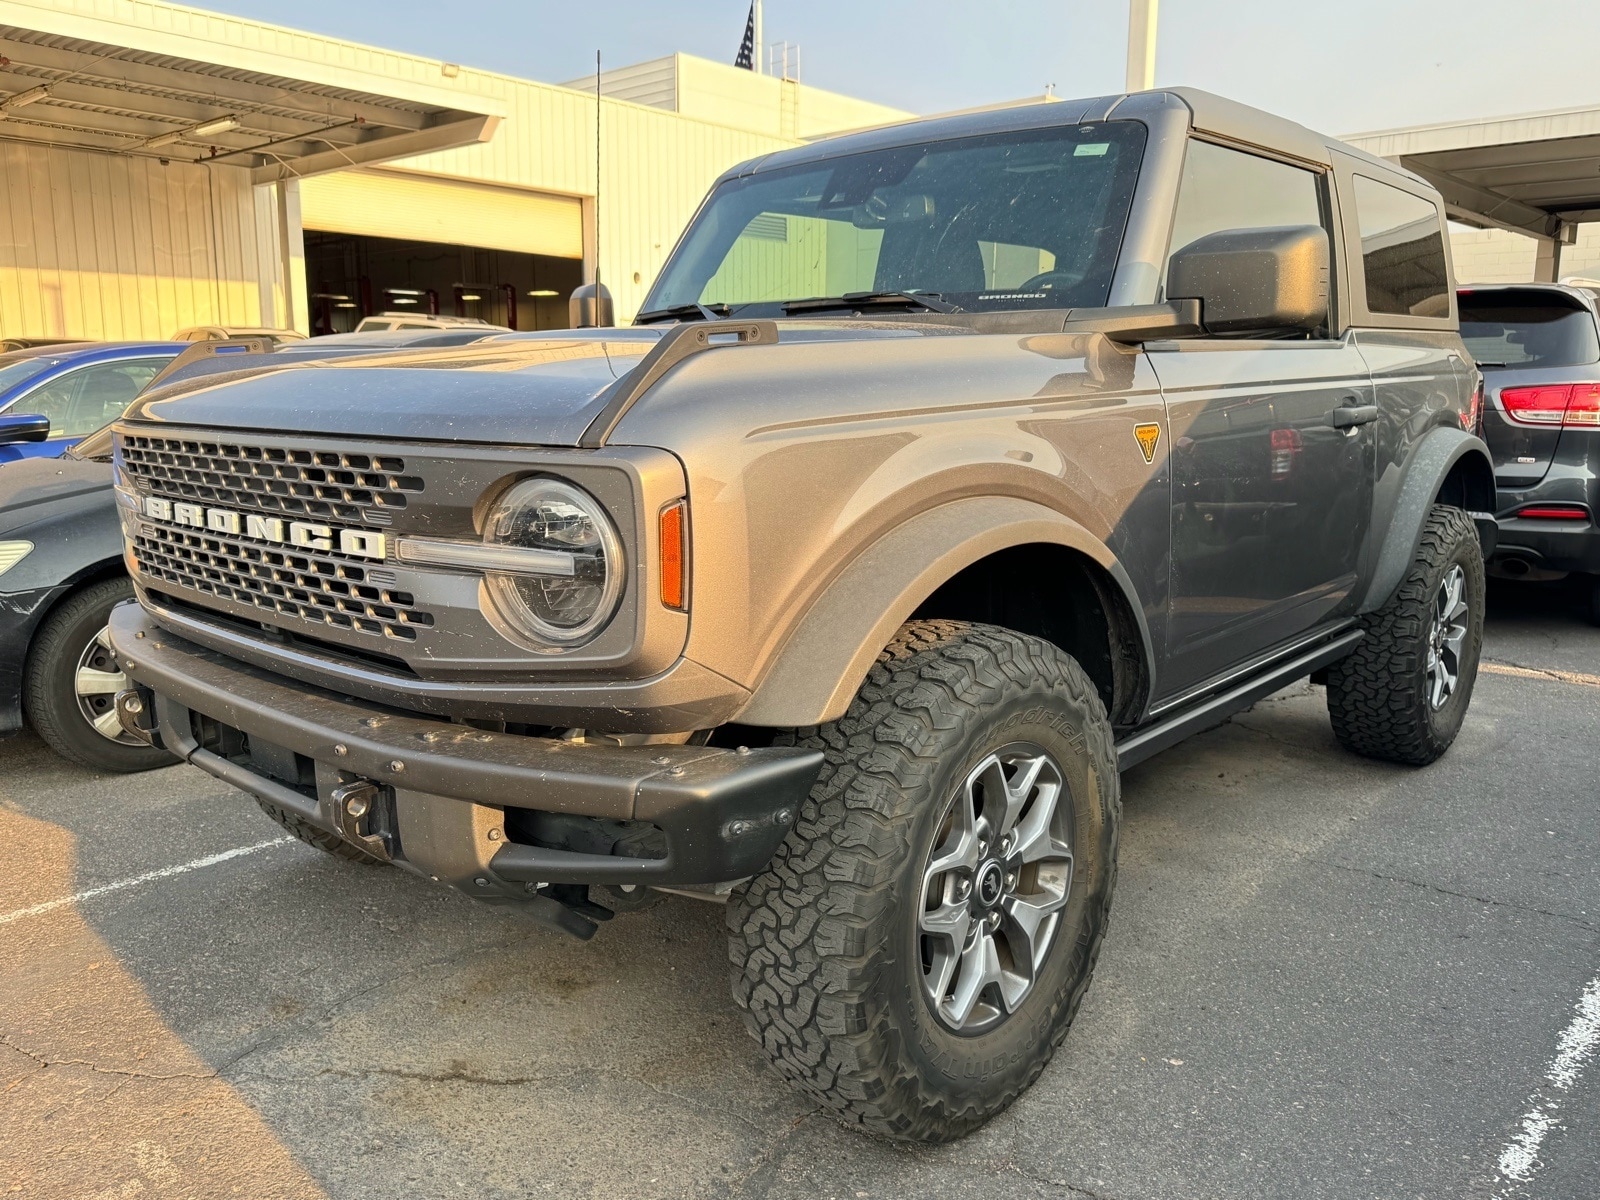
81, 401
1229, 189
1402, 251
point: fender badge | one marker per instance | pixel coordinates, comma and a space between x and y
1147, 436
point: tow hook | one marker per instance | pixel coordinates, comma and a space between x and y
135, 709
351, 806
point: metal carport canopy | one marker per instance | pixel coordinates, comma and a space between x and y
1536, 174
73, 79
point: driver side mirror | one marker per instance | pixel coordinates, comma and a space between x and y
1272, 280
23, 429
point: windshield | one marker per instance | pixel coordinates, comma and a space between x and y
22, 370
1528, 329
1028, 219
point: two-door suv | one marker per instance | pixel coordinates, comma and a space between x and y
951, 468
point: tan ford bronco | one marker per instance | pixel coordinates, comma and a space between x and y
951, 468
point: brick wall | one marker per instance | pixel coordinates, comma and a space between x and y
1496, 256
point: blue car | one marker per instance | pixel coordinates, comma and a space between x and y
78, 386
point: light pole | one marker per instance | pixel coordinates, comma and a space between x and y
1142, 44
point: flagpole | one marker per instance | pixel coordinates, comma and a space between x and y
758, 56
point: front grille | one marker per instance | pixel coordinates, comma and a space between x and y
330, 484
294, 583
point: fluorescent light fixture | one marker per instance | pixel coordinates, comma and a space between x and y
403, 291
329, 296
405, 300
220, 125
471, 296
345, 304
541, 292
204, 129
21, 99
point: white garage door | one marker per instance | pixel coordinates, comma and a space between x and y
417, 208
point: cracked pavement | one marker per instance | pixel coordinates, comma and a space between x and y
1324, 978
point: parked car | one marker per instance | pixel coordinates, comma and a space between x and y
222, 333
954, 467
78, 386
1538, 346
412, 320
61, 566
28, 343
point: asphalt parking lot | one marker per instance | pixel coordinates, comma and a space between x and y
1324, 978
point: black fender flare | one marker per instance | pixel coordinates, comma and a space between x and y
821, 665
1440, 452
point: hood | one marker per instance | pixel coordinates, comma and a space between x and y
536, 390
32, 485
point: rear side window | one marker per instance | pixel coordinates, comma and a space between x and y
1526, 329
1228, 189
1402, 251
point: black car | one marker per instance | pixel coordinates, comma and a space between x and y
61, 568
1538, 346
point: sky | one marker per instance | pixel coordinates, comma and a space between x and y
1341, 66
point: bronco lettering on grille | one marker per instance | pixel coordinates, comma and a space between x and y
309, 534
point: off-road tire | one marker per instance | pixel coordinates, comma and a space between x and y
49, 694
328, 843
823, 946
1378, 695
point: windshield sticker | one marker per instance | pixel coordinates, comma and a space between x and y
1091, 150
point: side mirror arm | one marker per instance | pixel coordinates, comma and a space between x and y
1136, 324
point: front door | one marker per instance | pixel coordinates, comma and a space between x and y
1271, 494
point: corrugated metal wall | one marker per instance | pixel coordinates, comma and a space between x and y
98, 246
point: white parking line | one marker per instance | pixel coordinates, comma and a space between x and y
210, 860
1519, 1161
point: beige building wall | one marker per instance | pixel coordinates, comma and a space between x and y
99, 246
1499, 256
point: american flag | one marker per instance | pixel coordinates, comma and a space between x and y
747, 48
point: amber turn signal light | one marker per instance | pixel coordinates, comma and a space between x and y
674, 569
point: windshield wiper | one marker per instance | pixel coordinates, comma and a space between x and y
683, 312
864, 300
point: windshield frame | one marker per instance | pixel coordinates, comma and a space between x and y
1140, 144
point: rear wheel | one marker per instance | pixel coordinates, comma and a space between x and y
72, 679
1404, 692
921, 941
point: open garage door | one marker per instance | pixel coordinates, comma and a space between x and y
392, 242
416, 208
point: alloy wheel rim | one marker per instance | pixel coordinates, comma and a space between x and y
95, 685
993, 888
1447, 638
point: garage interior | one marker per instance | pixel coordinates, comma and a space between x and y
351, 276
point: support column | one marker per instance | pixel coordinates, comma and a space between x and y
1142, 44
1547, 259
292, 249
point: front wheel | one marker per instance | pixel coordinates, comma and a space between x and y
1403, 694
72, 680
923, 938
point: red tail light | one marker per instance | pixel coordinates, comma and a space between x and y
1553, 512
1572, 405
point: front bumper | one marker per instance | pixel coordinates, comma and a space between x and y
441, 793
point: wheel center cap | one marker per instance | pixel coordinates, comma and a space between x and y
991, 884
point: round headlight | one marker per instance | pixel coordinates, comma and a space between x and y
558, 609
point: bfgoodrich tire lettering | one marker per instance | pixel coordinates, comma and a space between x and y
1383, 698
825, 945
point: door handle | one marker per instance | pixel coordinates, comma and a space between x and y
1352, 415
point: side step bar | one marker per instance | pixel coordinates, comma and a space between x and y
1214, 710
